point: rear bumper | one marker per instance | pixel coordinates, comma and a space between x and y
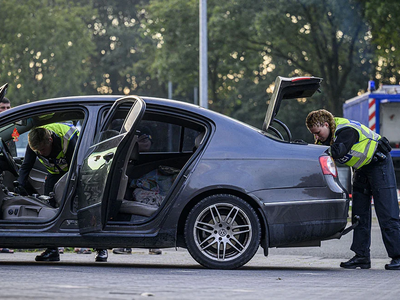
296, 222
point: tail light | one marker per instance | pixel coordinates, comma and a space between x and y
328, 165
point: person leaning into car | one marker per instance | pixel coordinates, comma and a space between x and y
53, 144
368, 154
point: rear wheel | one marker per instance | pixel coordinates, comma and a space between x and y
222, 232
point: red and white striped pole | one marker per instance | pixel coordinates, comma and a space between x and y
371, 107
371, 114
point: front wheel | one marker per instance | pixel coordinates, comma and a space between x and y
222, 232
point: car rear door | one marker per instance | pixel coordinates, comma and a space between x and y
102, 172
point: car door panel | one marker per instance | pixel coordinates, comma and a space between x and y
102, 172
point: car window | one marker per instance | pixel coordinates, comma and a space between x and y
191, 139
166, 137
165, 134
15, 133
22, 140
21, 144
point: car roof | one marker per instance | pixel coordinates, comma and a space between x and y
76, 101
105, 99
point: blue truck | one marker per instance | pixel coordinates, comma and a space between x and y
380, 111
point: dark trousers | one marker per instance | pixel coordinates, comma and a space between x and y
51, 180
376, 179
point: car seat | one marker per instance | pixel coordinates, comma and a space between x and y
31, 207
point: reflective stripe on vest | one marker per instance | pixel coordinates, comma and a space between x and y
361, 153
65, 133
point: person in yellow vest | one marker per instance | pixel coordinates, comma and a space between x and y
53, 145
368, 153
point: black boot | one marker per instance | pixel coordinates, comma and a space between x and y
357, 262
101, 255
394, 264
51, 254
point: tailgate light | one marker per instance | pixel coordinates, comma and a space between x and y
300, 78
328, 165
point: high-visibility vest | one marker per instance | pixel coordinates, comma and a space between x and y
361, 153
65, 133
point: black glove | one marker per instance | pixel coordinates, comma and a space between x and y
384, 145
20, 190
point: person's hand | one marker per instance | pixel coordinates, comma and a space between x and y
20, 190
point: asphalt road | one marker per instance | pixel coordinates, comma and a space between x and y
298, 273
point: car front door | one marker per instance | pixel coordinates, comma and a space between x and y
102, 172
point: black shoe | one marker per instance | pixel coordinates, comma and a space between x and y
394, 264
51, 254
357, 262
101, 255
155, 251
122, 250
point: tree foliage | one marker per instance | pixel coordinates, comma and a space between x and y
119, 64
321, 38
51, 48
251, 42
44, 48
384, 19
175, 25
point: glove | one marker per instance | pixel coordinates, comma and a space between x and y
384, 145
20, 190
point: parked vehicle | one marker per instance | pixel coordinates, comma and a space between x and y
209, 183
379, 110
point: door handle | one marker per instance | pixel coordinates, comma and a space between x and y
107, 157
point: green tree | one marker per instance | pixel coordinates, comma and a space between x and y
175, 26
250, 42
119, 64
44, 48
384, 19
328, 39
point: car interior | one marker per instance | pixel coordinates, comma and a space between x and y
166, 144
164, 147
35, 206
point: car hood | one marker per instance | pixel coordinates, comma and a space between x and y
289, 88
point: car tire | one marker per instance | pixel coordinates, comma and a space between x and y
222, 232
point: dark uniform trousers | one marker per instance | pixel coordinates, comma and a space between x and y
376, 179
51, 180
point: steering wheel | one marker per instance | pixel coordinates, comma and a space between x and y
12, 166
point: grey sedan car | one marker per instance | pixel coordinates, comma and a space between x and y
157, 173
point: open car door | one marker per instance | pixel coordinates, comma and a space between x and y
3, 91
102, 174
289, 88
